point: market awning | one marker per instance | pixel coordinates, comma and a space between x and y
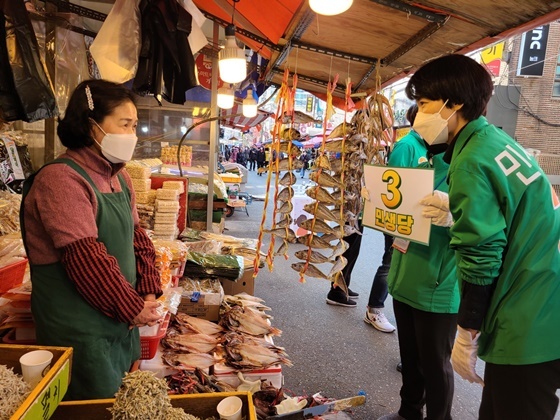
234, 118
385, 38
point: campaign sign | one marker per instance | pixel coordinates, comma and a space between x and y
393, 204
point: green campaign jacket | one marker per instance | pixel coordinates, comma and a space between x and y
506, 234
425, 276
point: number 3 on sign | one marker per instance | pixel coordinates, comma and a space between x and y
393, 199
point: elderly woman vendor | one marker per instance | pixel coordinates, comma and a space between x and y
92, 266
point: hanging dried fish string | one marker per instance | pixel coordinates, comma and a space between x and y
287, 135
275, 135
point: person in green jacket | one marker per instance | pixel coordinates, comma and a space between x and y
506, 235
422, 280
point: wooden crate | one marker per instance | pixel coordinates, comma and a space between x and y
45, 397
200, 405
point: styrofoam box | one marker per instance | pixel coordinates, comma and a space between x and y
157, 366
228, 375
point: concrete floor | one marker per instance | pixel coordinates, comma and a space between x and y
333, 350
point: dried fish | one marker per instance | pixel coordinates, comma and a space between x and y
323, 162
288, 179
286, 194
316, 225
197, 324
286, 221
322, 211
283, 233
283, 165
316, 242
320, 194
192, 343
247, 321
13, 392
340, 249
329, 237
338, 265
340, 131
314, 257
324, 179
287, 207
311, 270
336, 146
283, 249
290, 134
189, 361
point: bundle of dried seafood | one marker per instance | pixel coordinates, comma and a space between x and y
13, 391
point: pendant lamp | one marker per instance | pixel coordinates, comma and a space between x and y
330, 7
232, 62
249, 105
225, 97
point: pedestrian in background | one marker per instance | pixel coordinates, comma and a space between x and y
506, 235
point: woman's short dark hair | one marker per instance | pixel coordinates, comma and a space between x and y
457, 79
411, 114
74, 130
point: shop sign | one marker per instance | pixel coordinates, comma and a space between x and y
204, 69
17, 169
492, 58
533, 52
392, 205
309, 104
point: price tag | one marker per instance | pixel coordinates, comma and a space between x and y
45, 404
14, 158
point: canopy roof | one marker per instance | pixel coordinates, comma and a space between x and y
386, 37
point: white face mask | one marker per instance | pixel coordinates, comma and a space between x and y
432, 127
117, 148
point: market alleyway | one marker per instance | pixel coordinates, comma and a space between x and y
333, 350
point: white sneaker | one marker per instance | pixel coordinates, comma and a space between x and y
377, 319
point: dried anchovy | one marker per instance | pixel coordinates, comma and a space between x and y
143, 396
13, 391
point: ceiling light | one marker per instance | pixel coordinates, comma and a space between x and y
330, 7
232, 64
225, 98
249, 105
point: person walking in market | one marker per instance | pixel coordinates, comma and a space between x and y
423, 283
252, 158
506, 235
261, 157
92, 266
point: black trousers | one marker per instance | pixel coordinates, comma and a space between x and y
379, 289
425, 343
520, 392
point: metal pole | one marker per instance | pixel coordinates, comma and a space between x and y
214, 132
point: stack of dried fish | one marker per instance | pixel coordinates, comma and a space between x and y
190, 343
248, 345
195, 382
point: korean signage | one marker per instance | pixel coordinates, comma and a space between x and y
393, 205
492, 58
204, 69
309, 104
533, 52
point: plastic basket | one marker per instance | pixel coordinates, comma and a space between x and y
149, 345
12, 275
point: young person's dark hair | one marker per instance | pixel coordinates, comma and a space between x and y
74, 130
457, 79
411, 114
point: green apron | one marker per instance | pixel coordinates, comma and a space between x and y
104, 348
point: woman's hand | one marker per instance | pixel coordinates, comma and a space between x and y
149, 315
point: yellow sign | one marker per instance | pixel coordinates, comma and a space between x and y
492, 58
393, 206
47, 401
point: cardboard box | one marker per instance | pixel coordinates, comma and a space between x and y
245, 284
205, 306
45, 397
229, 375
200, 405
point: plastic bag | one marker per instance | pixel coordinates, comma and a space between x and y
117, 44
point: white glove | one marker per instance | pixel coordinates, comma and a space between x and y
436, 207
464, 354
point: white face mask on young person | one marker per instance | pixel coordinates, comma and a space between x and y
117, 148
432, 127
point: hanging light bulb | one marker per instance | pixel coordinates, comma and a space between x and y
249, 105
330, 7
225, 98
232, 64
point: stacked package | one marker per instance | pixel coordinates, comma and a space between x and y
145, 196
169, 155
167, 210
